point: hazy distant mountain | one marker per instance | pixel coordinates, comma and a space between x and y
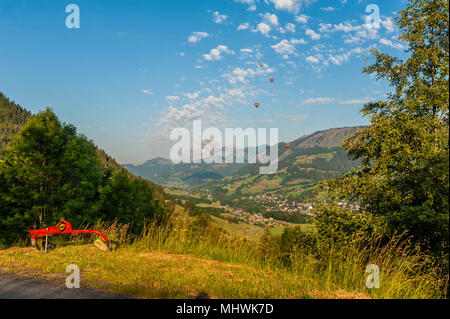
164, 172
307, 161
321, 148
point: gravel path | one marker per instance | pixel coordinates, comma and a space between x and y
17, 287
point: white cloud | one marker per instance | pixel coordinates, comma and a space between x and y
148, 92
290, 27
312, 59
197, 36
318, 100
291, 6
243, 26
340, 58
387, 42
357, 101
299, 118
343, 27
250, 3
271, 19
312, 34
287, 48
172, 98
298, 41
216, 54
388, 24
237, 93
293, 117
263, 28
219, 18
284, 47
239, 75
328, 9
192, 96
302, 18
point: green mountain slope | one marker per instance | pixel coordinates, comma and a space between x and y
164, 172
309, 160
12, 118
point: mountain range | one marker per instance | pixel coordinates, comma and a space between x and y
308, 160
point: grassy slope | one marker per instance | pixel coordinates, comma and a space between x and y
172, 262
250, 232
160, 274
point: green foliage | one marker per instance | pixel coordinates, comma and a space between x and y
48, 171
128, 201
404, 175
200, 225
339, 225
294, 239
268, 247
12, 118
295, 218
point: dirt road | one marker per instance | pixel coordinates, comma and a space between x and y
16, 287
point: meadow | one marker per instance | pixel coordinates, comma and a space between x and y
188, 257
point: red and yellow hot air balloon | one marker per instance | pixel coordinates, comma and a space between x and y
287, 145
261, 64
256, 104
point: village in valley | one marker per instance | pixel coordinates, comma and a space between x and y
265, 205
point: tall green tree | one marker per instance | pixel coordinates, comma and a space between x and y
404, 175
47, 172
128, 200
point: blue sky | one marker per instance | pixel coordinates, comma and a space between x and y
134, 70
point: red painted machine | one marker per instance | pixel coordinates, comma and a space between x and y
64, 227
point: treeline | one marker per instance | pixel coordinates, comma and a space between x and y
295, 218
49, 171
12, 118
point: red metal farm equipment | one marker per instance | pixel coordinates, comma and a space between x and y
64, 227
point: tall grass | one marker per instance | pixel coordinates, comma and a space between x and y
405, 272
181, 235
334, 271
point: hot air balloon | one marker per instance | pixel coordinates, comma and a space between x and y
261, 64
287, 145
256, 104
271, 80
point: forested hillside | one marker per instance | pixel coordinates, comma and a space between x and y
164, 172
12, 119
49, 171
307, 161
